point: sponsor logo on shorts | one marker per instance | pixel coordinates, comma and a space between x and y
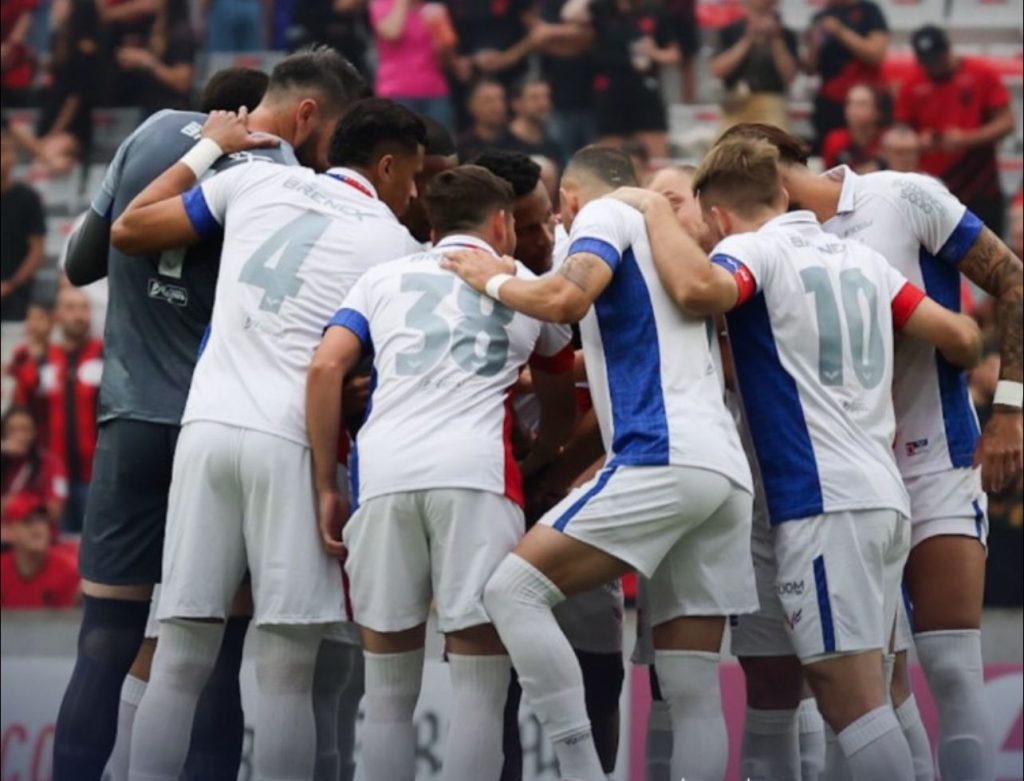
917, 447
172, 294
790, 588
794, 618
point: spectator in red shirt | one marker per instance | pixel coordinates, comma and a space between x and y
32, 576
846, 44
69, 381
960, 109
17, 60
27, 361
29, 475
857, 145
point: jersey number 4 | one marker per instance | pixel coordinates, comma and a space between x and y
866, 348
290, 245
437, 335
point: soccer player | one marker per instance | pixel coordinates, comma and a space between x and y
932, 239
160, 306
592, 621
437, 491
440, 154
672, 502
810, 321
242, 494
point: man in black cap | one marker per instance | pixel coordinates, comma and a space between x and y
960, 110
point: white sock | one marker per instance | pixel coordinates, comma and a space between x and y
771, 746
875, 748
836, 767
955, 671
479, 691
519, 599
184, 659
917, 738
388, 735
339, 670
812, 740
700, 744
285, 661
131, 694
659, 742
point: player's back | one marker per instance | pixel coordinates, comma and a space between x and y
924, 232
294, 245
160, 304
445, 359
813, 351
652, 375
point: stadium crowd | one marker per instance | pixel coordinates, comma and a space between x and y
516, 88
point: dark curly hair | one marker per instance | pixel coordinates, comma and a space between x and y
514, 167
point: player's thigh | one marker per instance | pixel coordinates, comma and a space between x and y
388, 564
469, 534
626, 517
204, 554
945, 573
708, 571
592, 620
846, 686
293, 580
833, 573
123, 531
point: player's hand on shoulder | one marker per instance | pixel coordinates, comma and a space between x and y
477, 266
637, 197
333, 512
1000, 451
230, 131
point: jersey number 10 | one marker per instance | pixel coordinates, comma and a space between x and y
866, 348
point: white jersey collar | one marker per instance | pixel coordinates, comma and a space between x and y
355, 178
464, 240
802, 218
850, 180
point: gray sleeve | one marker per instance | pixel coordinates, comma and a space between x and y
87, 250
103, 201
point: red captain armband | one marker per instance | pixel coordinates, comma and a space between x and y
746, 285
559, 363
905, 303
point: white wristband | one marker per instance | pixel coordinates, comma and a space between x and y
1009, 394
493, 286
200, 157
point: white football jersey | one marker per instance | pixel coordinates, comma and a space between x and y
294, 244
652, 377
812, 344
924, 232
445, 359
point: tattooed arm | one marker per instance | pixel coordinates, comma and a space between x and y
564, 297
995, 269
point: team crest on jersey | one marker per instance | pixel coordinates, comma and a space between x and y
171, 294
917, 447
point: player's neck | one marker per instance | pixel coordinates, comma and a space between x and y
818, 194
482, 235
265, 120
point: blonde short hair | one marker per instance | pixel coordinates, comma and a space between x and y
740, 174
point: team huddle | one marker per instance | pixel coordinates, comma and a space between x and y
762, 411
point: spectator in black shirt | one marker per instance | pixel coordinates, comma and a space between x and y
158, 74
756, 60
341, 24
846, 44
63, 130
568, 65
22, 240
528, 132
633, 39
493, 41
489, 117
683, 14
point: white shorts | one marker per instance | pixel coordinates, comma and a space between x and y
839, 578
241, 499
762, 633
446, 543
152, 624
948, 503
686, 529
592, 621
903, 636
